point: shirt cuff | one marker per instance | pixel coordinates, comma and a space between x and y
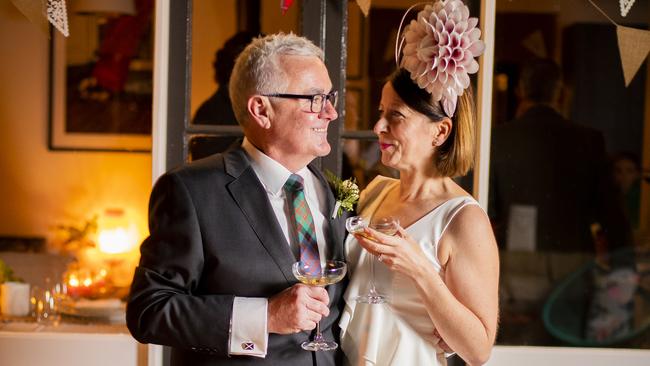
248, 333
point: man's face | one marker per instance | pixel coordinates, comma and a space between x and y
297, 135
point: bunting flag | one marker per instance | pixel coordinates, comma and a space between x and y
40, 12
58, 16
285, 5
364, 5
634, 45
625, 6
34, 10
534, 43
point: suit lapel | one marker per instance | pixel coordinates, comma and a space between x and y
252, 199
250, 196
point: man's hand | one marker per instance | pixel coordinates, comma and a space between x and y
297, 308
441, 343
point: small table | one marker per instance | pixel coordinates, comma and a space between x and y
68, 344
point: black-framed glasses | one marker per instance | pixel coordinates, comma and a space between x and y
317, 100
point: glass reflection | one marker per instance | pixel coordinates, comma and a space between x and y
362, 160
564, 182
220, 31
217, 109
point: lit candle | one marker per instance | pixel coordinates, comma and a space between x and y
79, 286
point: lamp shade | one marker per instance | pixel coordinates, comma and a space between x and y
104, 6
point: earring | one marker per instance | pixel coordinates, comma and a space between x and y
436, 142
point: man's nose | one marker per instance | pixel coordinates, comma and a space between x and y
328, 111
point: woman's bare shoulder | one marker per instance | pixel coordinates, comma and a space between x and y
469, 232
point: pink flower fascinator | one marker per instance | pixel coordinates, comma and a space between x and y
439, 50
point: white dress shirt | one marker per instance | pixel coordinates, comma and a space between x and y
249, 315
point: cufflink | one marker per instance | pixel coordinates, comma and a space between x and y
248, 346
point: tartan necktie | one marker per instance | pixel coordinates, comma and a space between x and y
304, 223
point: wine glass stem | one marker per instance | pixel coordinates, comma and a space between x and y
318, 337
373, 291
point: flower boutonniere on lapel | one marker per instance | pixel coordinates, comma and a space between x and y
345, 191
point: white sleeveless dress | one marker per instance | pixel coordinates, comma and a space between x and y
399, 332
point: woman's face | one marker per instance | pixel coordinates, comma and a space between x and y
626, 174
405, 135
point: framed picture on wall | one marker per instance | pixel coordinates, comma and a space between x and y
101, 87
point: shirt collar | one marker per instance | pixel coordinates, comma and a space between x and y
272, 174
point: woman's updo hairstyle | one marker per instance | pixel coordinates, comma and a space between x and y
455, 157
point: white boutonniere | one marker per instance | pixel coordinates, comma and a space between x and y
345, 191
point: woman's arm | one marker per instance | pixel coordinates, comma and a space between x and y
463, 305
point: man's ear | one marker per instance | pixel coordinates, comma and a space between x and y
441, 131
260, 110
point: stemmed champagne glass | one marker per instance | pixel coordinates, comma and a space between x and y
386, 225
329, 273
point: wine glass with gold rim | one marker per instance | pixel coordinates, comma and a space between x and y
315, 273
386, 225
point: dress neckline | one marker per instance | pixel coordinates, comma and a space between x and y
382, 196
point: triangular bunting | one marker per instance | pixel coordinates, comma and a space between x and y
58, 16
534, 43
625, 6
285, 5
634, 45
365, 6
34, 10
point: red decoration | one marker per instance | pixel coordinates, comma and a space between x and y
120, 45
285, 5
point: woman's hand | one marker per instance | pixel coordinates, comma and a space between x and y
400, 252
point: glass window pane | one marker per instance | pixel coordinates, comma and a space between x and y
362, 160
201, 146
213, 23
565, 177
220, 30
369, 62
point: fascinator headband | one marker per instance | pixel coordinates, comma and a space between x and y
438, 50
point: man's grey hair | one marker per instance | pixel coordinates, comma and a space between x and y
258, 71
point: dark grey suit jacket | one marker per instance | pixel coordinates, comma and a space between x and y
560, 167
214, 236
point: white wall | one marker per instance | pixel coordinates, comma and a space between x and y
40, 188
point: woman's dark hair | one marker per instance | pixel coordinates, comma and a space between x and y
455, 157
